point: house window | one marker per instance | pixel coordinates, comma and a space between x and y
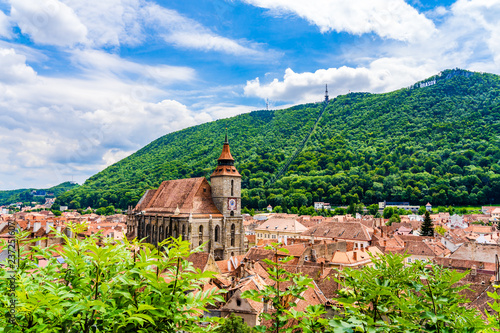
409, 260
238, 302
306, 258
233, 234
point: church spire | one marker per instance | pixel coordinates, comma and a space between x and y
225, 157
225, 162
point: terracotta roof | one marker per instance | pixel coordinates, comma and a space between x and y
282, 225
477, 252
295, 250
339, 230
199, 260
225, 155
146, 198
257, 254
251, 238
191, 195
225, 170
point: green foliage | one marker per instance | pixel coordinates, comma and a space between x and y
427, 228
234, 324
494, 319
56, 212
25, 195
282, 298
107, 287
392, 297
440, 230
438, 144
373, 209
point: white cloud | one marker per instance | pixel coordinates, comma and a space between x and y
384, 74
13, 68
469, 37
55, 128
187, 33
5, 28
100, 63
478, 21
393, 19
48, 22
110, 22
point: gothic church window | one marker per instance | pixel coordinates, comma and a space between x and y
200, 235
217, 233
233, 236
232, 187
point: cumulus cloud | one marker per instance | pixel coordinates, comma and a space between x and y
393, 19
468, 37
475, 22
48, 22
5, 29
13, 68
75, 127
381, 75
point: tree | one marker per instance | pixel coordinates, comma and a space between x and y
373, 209
427, 228
388, 212
234, 324
394, 219
106, 287
278, 209
440, 230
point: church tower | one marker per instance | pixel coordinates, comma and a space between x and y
226, 195
226, 184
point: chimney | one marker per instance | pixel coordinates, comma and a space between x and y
47, 226
354, 255
322, 267
36, 226
473, 270
313, 256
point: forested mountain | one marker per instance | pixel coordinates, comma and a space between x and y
437, 141
31, 194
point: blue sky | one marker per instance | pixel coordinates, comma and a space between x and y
84, 84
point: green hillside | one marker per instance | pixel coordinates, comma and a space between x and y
26, 195
437, 143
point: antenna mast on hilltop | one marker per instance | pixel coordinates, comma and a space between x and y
326, 93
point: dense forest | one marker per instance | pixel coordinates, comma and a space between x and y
437, 143
34, 195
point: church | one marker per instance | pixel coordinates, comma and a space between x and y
196, 210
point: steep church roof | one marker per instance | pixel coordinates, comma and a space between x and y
180, 197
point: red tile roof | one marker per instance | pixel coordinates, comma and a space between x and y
192, 195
